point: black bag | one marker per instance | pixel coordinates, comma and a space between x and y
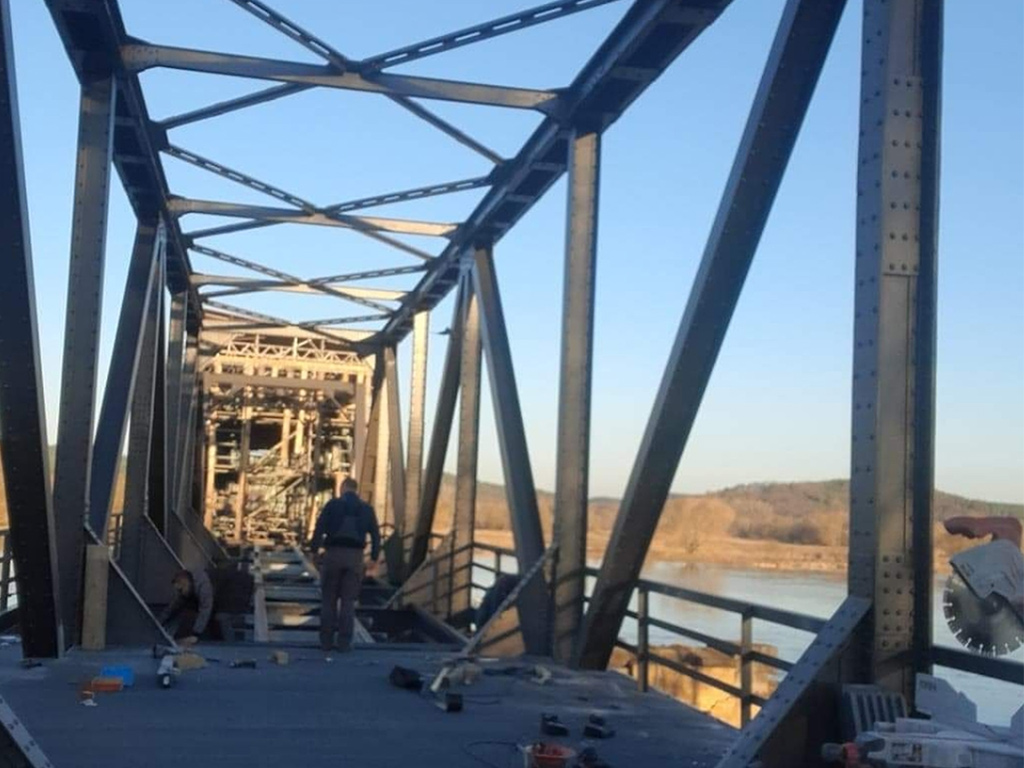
405, 678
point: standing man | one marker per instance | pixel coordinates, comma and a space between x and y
341, 530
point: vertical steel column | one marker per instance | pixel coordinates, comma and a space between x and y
515, 458
81, 342
241, 489
359, 430
572, 467
893, 412
794, 63
158, 483
143, 271
417, 411
464, 521
23, 445
367, 477
173, 378
439, 439
140, 434
395, 453
184, 440
210, 482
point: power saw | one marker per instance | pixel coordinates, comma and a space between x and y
984, 597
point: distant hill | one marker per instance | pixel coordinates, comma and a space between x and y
793, 513
790, 513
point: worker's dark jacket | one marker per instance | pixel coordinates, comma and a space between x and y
346, 522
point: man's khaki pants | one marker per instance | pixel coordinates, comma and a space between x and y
341, 576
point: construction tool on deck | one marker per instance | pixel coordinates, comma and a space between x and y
983, 601
952, 737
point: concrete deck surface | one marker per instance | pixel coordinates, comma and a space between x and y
342, 712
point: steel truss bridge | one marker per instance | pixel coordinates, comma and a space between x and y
237, 424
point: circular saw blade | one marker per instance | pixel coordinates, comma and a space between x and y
986, 626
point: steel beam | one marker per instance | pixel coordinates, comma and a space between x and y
91, 31
515, 458
179, 206
893, 408
24, 449
173, 378
791, 73
139, 56
417, 413
231, 105
464, 520
159, 480
369, 458
184, 444
654, 32
479, 32
243, 470
439, 438
140, 457
143, 272
81, 342
396, 456
572, 464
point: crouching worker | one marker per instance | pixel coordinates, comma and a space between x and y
341, 529
201, 610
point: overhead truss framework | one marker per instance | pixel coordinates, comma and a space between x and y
310, 382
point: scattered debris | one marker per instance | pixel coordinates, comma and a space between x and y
551, 725
124, 673
188, 660
167, 671
280, 658
89, 703
541, 674
243, 664
405, 678
448, 701
542, 755
596, 728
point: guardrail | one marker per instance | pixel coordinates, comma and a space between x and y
743, 651
8, 582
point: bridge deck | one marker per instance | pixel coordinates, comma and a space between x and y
343, 712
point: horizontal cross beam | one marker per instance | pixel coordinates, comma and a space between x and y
238, 285
179, 206
139, 56
479, 32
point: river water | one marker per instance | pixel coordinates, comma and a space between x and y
815, 594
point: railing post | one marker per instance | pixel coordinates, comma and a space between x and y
746, 643
5, 573
642, 640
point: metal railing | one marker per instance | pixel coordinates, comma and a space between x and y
743, 651
8, 582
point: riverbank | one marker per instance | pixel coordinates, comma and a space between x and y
721, 550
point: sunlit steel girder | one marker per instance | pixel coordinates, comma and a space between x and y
652, 33
23, 445
893, 408
796, 58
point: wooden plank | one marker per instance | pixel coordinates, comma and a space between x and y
94, 609
260, 629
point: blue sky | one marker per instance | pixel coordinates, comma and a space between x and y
778, 404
